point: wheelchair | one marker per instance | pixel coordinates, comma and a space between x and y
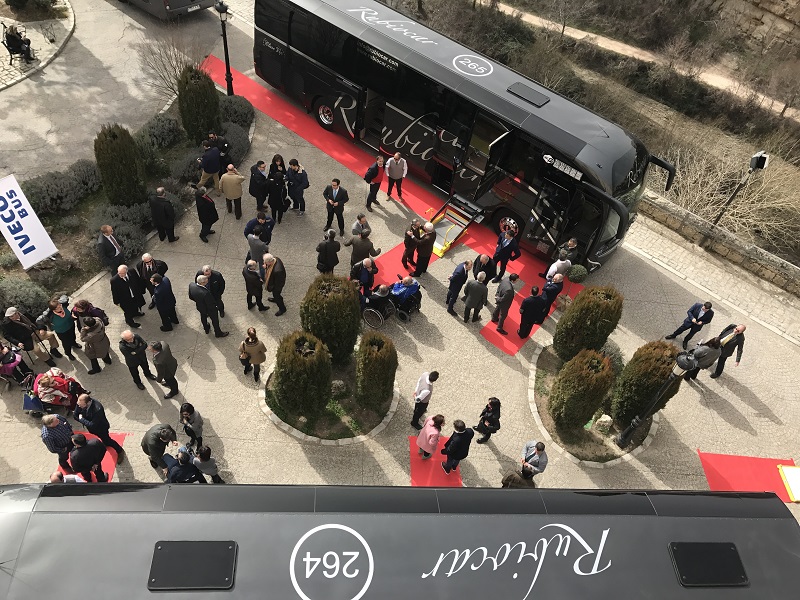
380, 307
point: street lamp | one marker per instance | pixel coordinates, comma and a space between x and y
222, 9
683, 363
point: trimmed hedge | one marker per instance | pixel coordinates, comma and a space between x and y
26, 295
331, 311
579, 389
588, 321
154, 165
186, 168
376, 366
163, 130
53, 192
87, 175
302, 374
121, 167
198, 103
238, 110
239, 141
641, 379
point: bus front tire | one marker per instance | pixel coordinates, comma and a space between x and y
504, 219
323, 113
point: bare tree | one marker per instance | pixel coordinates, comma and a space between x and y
564, 12
165, 55
785, 83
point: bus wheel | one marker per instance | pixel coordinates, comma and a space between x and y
323, 113
505, 219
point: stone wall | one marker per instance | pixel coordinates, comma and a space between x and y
767, 266
775, 19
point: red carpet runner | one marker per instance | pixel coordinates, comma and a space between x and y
110, 459
730, 473
417, 198
428, 472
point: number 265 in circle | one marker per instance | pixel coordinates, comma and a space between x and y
331, 562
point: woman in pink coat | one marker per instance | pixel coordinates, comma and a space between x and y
428, 437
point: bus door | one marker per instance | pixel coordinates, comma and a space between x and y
548, 216
374, 114
487, 143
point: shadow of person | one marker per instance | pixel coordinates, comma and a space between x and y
744, 394
727, 411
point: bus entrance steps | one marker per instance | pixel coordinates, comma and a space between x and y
450, 223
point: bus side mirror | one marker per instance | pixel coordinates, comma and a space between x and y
760, 160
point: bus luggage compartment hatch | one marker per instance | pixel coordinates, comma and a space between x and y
450, 226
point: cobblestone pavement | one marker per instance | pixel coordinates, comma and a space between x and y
751, 410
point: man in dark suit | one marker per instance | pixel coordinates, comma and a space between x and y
110, 248
456, 448
266, 223
425, 244
507, 249
477, 294
533, 312
258, 184
166, 367
206, 305
457, 281
163, 215
146, 268
697, 316
484, 264
254, 286
127, 292
182, 469
216, 284
87, 457
503, 297
133, 347
410, 242
731, 338
165, 301
552, 290
335, 199
91, 414
275, 278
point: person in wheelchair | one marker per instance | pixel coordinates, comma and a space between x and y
406, 297
55, 387
11, 364
18, 44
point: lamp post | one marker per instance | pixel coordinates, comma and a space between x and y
222, 9
683, 363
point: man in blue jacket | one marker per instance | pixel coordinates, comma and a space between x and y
697, 316
210, 164
91, 414
457, 281
507, 249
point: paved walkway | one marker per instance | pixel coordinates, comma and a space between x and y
751, 410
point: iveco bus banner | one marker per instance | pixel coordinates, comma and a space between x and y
23, 230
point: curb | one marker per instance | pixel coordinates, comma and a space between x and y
593, 464
302, 437
42, 65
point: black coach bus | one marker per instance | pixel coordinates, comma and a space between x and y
76, 541
524, 157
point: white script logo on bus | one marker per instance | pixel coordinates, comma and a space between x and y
371, 17
474, 66
480, 557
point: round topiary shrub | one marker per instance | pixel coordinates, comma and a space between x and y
26, 295
239, 141
331, 311
198, 103
579, 389
302, 374
641, 379
576, 274
376, 365
121, 167
53, 193
154, 165
87, 175
238, 110
163, 130
588, 321
186, 168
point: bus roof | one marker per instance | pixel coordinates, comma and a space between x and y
443, 543
592, 142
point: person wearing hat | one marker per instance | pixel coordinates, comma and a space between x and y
19, 329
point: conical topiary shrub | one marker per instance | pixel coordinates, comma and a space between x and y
120, 165
198, 103
579, 389
588, 321
641, 379
302, 374
376, 365
331, 311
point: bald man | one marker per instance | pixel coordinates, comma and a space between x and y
127, 292
134, 349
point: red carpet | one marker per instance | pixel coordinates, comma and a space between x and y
110, 459
422, 200
730, 473
390, 266
428, 472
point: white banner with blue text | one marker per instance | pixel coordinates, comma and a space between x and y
23, 230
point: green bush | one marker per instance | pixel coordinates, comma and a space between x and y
70, 223
132, 238
43, 5
198, 103
186, 168
579, 389
136, 216
331, 311
238, 110
87, 175
302, 374
8, 260
376, 365
239, 141
26, 295
641, 379
121, 167
17, 4
53, 193
154, 165
588, 321
577, 274
163, 130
